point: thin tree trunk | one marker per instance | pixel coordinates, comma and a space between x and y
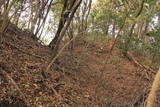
139, 12
89, 9
5, 15
113, 29
45, 17
159, 19
132, 28
146, 30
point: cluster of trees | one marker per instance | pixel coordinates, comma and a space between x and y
133, 25
38, 16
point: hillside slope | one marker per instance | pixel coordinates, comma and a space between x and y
89, 77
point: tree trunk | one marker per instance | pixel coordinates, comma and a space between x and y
62, 21
159, 19
146, 30
5, 15
127, 43
113, 29
45, 17
64, 16
66, 25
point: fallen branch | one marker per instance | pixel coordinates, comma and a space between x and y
10, 80
138, 63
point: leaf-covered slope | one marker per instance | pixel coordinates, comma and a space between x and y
89, 77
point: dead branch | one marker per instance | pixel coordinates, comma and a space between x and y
10, 80
138, 63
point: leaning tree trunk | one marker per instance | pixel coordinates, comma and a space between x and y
66, 11
56, 43
62, 21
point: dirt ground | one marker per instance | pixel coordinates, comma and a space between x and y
89, 76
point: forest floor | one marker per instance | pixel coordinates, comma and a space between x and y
89, 76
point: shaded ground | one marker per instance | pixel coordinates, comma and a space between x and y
89, 77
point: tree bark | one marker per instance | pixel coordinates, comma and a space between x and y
66, 25
133, 25
155, 87
113, 29
62, 21
5, 15
65, 14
